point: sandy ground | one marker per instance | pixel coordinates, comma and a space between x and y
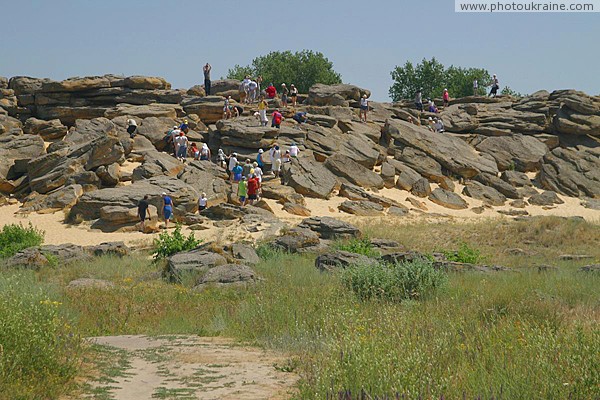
58, 232
195, 367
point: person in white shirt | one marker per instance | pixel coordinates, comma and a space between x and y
232, 163
181, 143
294, 150
475, 87
257, 171
276, 160
364, 107
131, 127
439, 125
252, 87
202, 202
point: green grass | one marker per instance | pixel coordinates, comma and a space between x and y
14, 238
357, 245
521, 335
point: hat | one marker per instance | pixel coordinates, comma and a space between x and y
260, 150
283, 84
243, 178
164, 193
431, 119
255, 164
175, 127
185, 121
234, 154
252, 172
364, 96
445, 90
292, 84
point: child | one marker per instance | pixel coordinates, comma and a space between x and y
202, 203
242, 190
286, 157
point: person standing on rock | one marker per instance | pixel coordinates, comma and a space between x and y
143, 212
246, 168
253, 187
206, 71
221, 159
294, 94
495, 86
194, 151
419, 100
276, 121
237, 172
253, 86
202, 203
294, 150
232, 163
242, 190
181, 143
258, 172
446, 98
259, 158
475, 87
364, 108
205, 153
300, 117
262, 111
131, 127
167, 209
227, 108
284, 95
185, 127
276, 162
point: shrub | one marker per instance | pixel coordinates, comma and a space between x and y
396, 282
168, 244
464, 254
359, 246
267, 251
14, 238
39, 353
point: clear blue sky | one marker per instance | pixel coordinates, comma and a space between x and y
364, 39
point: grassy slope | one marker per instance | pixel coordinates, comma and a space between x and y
526, 334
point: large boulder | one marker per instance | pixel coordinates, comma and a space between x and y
523, 153
413, 163
209, 108
335, 95
349, 170
283, 194
353, 192
578, 114
361, 208
48, 130
571, 172
448, 199
341, 259
60, 199
48, 255
309, 178
297, 240
484, 193
191, 265
16, 151
206, 177
227, 275
546, 198
451, 152
330, 228
226, 211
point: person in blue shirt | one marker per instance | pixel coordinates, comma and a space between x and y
184, 126
167, 209
259, 159
300, 117
237, 172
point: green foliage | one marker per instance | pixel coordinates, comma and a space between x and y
39, 351
359, 246
168, 244
14, 238
303, 69
267, 251
507, 91
433, 78
395, 282
464, 254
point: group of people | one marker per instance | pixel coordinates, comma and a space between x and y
167, 209
177, 140
495, 85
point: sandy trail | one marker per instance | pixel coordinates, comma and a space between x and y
187, 367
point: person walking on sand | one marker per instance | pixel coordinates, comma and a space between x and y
206, 71
262, 111
294, 94
446, 98
202, 203
284, 94
242, 190
364, 107
495, 86
167, 209
131, 127
143, 212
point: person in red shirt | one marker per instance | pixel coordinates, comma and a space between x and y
277, 117
253, 188
446, 98
271, 91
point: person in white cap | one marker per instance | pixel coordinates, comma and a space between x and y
284, 95
294, 94
446, 98
232, 163
131, 127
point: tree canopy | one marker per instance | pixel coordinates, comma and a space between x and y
432, 77
303, 69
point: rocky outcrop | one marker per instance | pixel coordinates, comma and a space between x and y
330, 228
362, 208
348, 170
227, 275
484, 193
309, 178
335, 95
341, 259
191, 265
522, 153
572, 172
448, 199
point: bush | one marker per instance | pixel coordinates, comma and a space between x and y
39, 353
396, 282
14, 238
464, 254
359, 246
168, 244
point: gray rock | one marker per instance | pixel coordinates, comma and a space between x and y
245, 253
591, 268
283, 194
191, 265
398, 211
232, 211
330, 228
341, 259
59, 199
388, 174
297, 240
309, 178
501, 186
227, 275
416, 163
421, 188
484, 193
344, 167
48, 255
523, 153
448, 199
361, 208
546, 198
335, 95
571, 172
353, 192
48, 130
115, 249
515, 178
296, 209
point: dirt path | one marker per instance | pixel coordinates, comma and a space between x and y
186, 367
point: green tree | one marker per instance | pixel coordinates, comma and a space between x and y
303, 69
509, 92
432, 77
